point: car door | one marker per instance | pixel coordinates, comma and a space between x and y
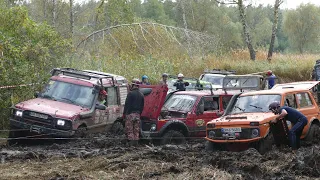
306, 107
211, 109
113, 109
101, 116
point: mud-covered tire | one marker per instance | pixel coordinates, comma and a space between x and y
173, 137
313, 134
117, 128
13, 133
265, 144
80, 132
209, 146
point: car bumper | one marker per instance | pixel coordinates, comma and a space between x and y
234, 140
150, 135
41, 129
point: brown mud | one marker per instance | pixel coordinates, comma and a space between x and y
103, 157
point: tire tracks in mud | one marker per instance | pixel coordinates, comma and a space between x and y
153, 162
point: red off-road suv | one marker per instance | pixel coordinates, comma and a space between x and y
174, 117
69, 105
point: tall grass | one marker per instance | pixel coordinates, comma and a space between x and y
288, 67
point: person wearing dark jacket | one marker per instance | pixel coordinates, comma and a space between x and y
298, 120
132, 110
180, 84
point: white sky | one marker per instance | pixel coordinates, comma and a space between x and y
290, 4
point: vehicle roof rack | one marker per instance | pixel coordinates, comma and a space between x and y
220, 71
81, 74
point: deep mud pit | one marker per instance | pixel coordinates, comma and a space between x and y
105, 158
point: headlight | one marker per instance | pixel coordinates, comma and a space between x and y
254, 133
211, 134
60, 122
153, 127
19, 113
211, 125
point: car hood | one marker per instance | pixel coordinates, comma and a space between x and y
153, 100
244, 118
51, 107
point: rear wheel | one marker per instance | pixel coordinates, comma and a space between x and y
265, 144
117, 128
313, 133
173, 137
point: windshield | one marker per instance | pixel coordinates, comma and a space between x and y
69, 93
256, 103
179, 102
191, 87
215, 80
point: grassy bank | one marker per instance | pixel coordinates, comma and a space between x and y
288, 67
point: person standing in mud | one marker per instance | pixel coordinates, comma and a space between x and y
132, 110
298, 120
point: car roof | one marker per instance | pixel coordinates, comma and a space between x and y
273, 91
206, 92
220, 75
95, 81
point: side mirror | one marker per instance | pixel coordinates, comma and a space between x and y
36, 94
220, 113
100, 107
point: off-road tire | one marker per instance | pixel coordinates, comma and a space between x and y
210, 146
173, 137
117, 128
80, 132
313, 133
15, 134
265, 144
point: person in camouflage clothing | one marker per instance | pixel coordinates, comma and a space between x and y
132, 110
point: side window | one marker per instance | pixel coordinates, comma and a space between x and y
304, 100
290, 101
211, 103
112, 96
123, 91
225, 101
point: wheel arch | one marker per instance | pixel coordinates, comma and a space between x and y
176, 125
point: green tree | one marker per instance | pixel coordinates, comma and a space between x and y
302, 27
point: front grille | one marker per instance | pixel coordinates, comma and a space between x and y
37, 120
244, 134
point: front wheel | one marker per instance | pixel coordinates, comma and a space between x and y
80, 132
265, 144
209, 146
313, 133
173, 137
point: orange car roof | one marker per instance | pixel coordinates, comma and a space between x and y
273, 91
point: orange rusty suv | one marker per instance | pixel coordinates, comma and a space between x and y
245, 122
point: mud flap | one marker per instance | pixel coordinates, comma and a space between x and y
280, 132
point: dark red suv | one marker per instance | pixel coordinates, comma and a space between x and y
69, 106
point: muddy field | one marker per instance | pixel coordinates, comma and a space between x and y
102, 157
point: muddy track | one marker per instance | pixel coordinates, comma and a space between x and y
105, 158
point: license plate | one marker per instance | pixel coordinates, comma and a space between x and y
231, 130
42, 116
35, 129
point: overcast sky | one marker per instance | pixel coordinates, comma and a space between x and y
290, 4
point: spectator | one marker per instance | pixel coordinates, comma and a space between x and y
145, 80
164, 80
180, 84
271, 79
132, 111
